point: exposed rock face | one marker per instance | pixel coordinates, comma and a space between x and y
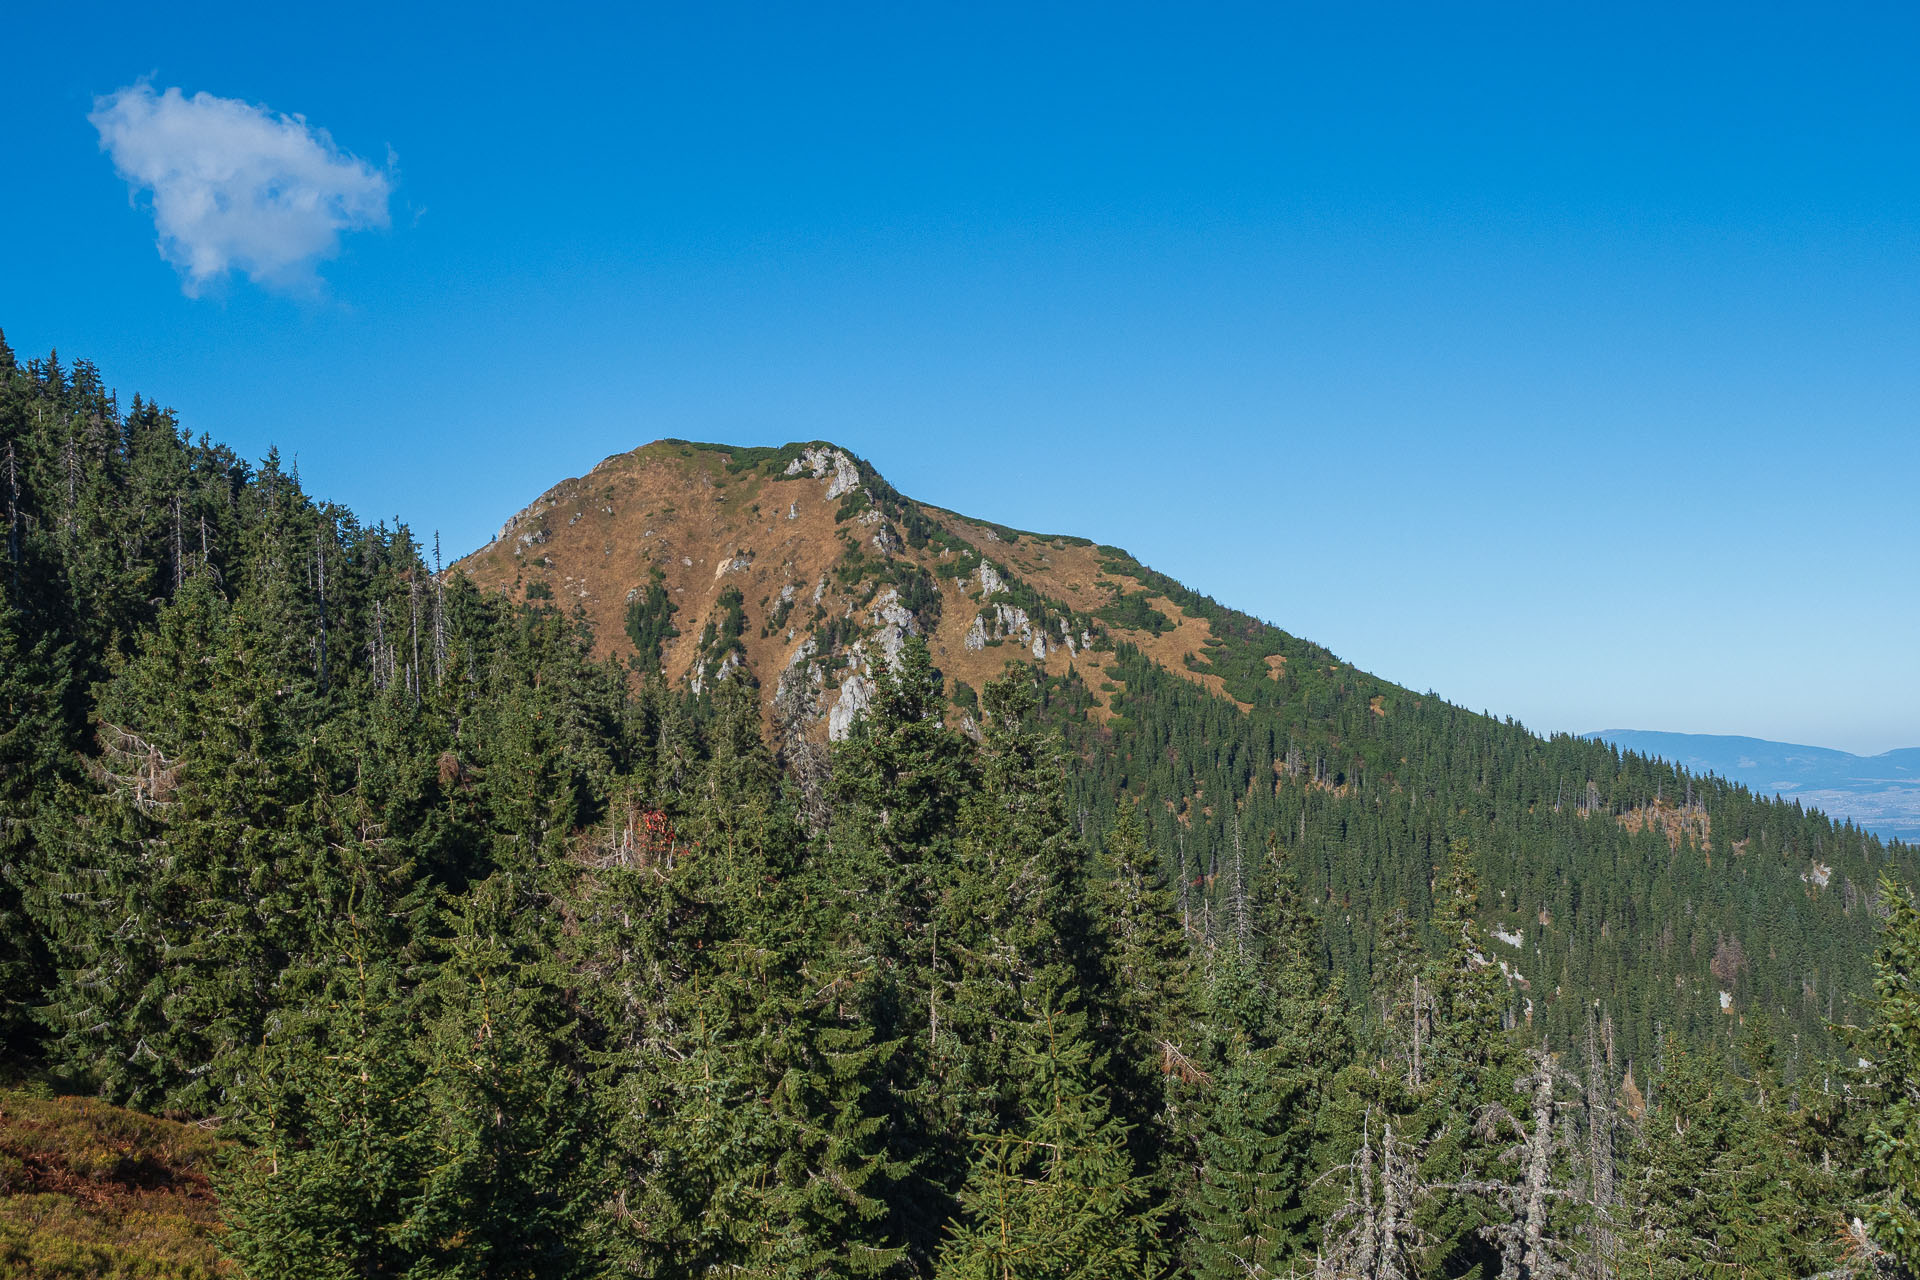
989, 580
820, 463
896, 623
856, 695
697, 681
1007, 621
796, 697
532, 520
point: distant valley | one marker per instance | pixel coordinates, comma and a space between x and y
1880, 793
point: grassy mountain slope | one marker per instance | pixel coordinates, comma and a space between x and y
1681, 905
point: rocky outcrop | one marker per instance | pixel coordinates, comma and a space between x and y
1007, 622
697, 680
895, 622
856, 695
824, 463
976, 638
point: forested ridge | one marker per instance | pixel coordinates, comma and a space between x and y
491, 957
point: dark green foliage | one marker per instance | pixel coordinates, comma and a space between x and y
1132, 612
1892, 1038
1246, 1211
916, 589
1055, 1193
1722, 1182
722, 633
33, 764
650, 620
1598, 861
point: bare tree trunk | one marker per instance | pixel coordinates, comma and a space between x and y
1240, 920
1396, 1186
1539, 1167
439, 615
379, 642
413, 631
13, 516
320, 591
179, 552
1367, 1258
1600, 1169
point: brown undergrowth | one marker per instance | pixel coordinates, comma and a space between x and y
92, 1190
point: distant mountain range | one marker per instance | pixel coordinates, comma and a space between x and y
1880, 793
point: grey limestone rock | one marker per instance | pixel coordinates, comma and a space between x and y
822, 463
856, 695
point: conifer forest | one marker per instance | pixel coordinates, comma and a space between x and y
486, 947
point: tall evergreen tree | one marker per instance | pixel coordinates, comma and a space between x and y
1056, 1194
33, 764
1892, 1038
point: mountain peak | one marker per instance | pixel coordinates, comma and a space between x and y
802, 569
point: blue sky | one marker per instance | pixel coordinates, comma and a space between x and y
1562, 362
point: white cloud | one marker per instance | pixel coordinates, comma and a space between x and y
236, 187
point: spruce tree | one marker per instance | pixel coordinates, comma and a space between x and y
1282, 1034
1054, 1196
1892, 1042
186, 873
899, 780
516, 1178
1245, 1212
1011, 909
337, 1128
33, 684
1142, 994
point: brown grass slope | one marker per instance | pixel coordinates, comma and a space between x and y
809, 534
91, 1190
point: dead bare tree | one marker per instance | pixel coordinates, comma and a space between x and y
13, 515
413, 631
320, 598
1602, 1197
1528, 1248
1242, 927
439, 615
1372, 1235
